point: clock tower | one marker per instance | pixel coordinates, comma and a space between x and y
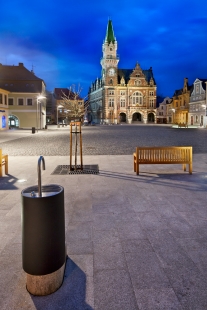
109, 61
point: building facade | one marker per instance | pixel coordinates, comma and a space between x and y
180, 103
164, 114
121, 95
198, 104
26, 105
4, 113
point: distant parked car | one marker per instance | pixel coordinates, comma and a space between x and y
93, 123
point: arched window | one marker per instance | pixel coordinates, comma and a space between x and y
111, 82
137, 98
122, 102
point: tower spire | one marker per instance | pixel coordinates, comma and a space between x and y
110, 33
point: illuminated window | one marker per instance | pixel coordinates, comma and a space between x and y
122, 103
111, 92
151, 103
137, 98
111, 102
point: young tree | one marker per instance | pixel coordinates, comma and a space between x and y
72, 102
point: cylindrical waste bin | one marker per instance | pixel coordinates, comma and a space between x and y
33, 129
43, 238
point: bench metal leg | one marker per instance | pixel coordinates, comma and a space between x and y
184, 167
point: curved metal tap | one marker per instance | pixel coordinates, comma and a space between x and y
41, 159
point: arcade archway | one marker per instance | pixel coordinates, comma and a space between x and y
13, 121
122, 118
151, 118
137, 117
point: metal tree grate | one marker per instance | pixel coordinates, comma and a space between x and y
65, 169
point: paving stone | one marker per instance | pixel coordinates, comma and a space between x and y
157, 299
189, 286
111, 257
113, 290
130, 230
150, 221
137, 245
145, 271
103, 221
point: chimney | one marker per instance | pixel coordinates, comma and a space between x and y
21, 64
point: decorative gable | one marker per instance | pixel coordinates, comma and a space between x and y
137, 77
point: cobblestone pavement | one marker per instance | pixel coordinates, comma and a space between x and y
101, 140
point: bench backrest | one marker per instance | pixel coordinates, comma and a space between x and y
179, 154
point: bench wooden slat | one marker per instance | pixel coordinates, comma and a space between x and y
163, 155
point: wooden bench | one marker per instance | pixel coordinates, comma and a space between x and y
3, 162
163, 155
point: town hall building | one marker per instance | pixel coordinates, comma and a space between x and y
121, 95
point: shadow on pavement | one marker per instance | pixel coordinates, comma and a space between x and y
7, 182
71, 295
196, 181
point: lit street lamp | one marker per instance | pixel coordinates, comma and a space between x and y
59, 106
38, 98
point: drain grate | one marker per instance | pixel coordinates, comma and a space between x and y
65, 169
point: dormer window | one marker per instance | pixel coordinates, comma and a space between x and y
137, 82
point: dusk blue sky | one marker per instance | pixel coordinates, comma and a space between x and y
63, 39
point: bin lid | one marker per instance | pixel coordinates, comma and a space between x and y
47, 190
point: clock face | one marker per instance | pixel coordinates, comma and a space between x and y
111, 71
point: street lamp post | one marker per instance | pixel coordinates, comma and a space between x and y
58, 106
38, 98
173, 111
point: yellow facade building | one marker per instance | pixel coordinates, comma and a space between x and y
26, 92
4, 109
180, 103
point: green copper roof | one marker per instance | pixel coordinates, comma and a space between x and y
110, 33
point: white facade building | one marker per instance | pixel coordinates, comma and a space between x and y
198, 104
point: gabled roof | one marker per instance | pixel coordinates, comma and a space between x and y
19, 79
203, 83
179, 92
126, 73
59, 93
110, 33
